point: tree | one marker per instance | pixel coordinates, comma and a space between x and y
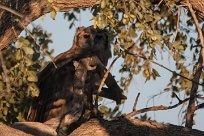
139, 29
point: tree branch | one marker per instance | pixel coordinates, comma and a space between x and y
155, 108
11, 11
136, 101
103, 80
177, 24
200, 106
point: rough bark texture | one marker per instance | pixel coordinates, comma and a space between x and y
198, 6
8, 131
96, 127
35, 128
124, 127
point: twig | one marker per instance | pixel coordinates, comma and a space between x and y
200, 106
103, 80
106, 74
11, 11
5, 73
200, 97
177, 97
129, 48
177, 24
160, 3
154, 108
156, 63
197, 27
136, 101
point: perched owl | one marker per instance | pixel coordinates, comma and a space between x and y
63, 90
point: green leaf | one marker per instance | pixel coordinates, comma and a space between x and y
28, 61
100, 99
28, 50
132, 32
146, 73
32, 76
155, 73
53, 14
104, 109
22, 42
18, 55
33, 89
5, 110
103, 4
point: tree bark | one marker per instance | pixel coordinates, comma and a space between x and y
136, 127
8, 131
100, 127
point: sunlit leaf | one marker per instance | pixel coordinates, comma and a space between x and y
32, 76
28, 50
53, 14
104, 109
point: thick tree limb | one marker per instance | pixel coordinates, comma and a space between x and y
136, 127
96, 127
198, 6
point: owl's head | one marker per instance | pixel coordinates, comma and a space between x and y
93, 40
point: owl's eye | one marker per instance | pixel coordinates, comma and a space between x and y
86, 36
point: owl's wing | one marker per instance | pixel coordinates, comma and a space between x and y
49, 84
53, 82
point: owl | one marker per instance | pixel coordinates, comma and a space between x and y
67, 89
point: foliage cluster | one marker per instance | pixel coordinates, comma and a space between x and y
20, 64
148, 30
